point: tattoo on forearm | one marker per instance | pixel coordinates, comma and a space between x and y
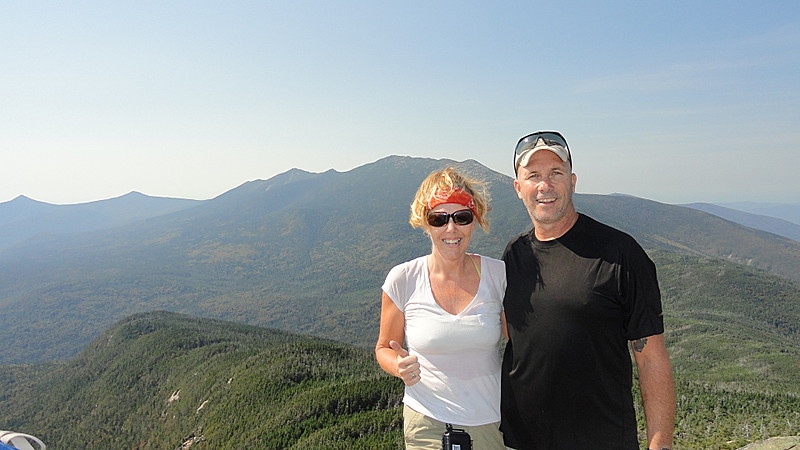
639, 344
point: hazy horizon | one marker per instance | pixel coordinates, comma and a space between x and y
191, 99
728, 204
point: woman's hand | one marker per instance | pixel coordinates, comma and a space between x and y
407, 365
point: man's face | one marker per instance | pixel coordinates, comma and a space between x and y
545, 186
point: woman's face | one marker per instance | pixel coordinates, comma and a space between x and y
450, 240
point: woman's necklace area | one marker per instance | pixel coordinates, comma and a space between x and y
454, 294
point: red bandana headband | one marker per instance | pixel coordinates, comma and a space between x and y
453, 196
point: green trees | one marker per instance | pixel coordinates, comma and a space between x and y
157, 380
714, 418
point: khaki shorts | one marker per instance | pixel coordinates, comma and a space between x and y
423, 433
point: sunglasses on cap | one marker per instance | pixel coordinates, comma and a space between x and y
440, 219
549, 138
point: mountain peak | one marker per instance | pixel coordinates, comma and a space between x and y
135, 194
290, 176
24, 200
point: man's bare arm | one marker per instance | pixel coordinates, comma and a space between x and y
658, 389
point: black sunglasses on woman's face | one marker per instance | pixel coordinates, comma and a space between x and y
440, 219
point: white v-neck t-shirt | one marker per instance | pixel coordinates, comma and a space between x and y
459, 354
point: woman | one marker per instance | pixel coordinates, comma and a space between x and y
447, 307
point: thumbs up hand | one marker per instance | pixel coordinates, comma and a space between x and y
407, 365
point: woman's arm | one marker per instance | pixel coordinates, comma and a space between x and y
389, 353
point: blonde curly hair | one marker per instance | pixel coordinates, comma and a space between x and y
446, 181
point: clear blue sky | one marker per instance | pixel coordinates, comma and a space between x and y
676, 101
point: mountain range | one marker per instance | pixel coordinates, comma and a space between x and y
24, 218
300, 251
306, 253
776, 225
785, 211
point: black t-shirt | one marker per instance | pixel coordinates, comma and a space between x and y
572, 306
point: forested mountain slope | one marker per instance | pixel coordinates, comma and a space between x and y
160, 380
166, 381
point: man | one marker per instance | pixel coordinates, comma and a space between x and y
578, 292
